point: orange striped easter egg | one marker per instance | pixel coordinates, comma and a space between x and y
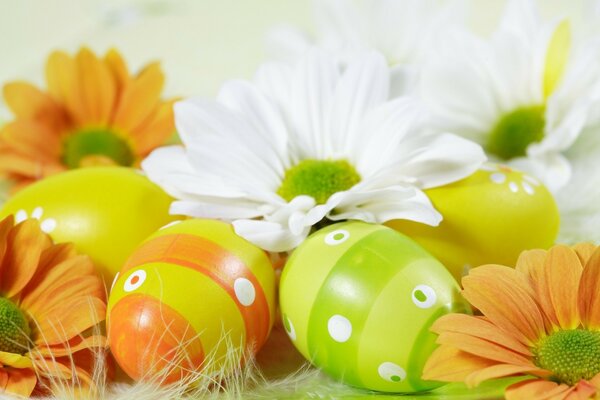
188, 294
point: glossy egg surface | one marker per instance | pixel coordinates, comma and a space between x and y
192, 291
357, 300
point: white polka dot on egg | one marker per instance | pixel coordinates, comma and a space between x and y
498, 177
244, 291
424, 296
20, 216
135, 280
391, 372
339, 328
337, 237
48, 225
528, 188
37, 213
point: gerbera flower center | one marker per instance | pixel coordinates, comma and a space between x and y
318, 179
14, 328
517, 130
571, 355
96, 146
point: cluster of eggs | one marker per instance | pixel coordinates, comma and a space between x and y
357, 300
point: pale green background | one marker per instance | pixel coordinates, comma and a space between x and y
201, 42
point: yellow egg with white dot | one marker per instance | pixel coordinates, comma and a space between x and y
489, 218
105, 211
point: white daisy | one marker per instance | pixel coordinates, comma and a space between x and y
402, 30
305, 144
525, 94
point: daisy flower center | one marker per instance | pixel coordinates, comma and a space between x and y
14, 328
571, 355
96, 146
517, 130
318, 179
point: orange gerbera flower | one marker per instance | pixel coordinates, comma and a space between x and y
94, 112
541, 319
49, 296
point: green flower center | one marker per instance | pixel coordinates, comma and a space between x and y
517, 130
14, 328
96, 144
571, 355
318, 179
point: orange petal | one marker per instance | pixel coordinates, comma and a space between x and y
582, 391
589, 287
76, 275
562, 273
448, 364
98, 88
26, 242
155, 132
20, 382
503, 295
531, 263
64, 322
479, 327
15, 360
48, 301
74, 345
139, 98
28, 102
33, 139
536, 389
118, 68
63, 83
497, 371
5, 226
584, 251
484, 349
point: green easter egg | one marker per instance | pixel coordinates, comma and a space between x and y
357, 300
105, 211
489, 218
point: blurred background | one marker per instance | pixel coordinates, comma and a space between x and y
200, 43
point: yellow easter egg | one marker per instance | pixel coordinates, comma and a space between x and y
193, 296
489, 218
105, 211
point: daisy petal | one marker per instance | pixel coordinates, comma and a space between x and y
562, 275
21, 382
483, 348
381, 205
271, 236
98, 89
439, 160
139, 97
479, 327
448, 364
589, 287
27, 101
63, 84
536, 389
364, 84
584, 251
249, 101
312, 92
512, 311
496, 371
26, 244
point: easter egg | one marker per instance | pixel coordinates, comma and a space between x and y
357, 300
489, 218
105, 211
192, 292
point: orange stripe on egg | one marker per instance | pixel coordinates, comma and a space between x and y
220, 265
151, 341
